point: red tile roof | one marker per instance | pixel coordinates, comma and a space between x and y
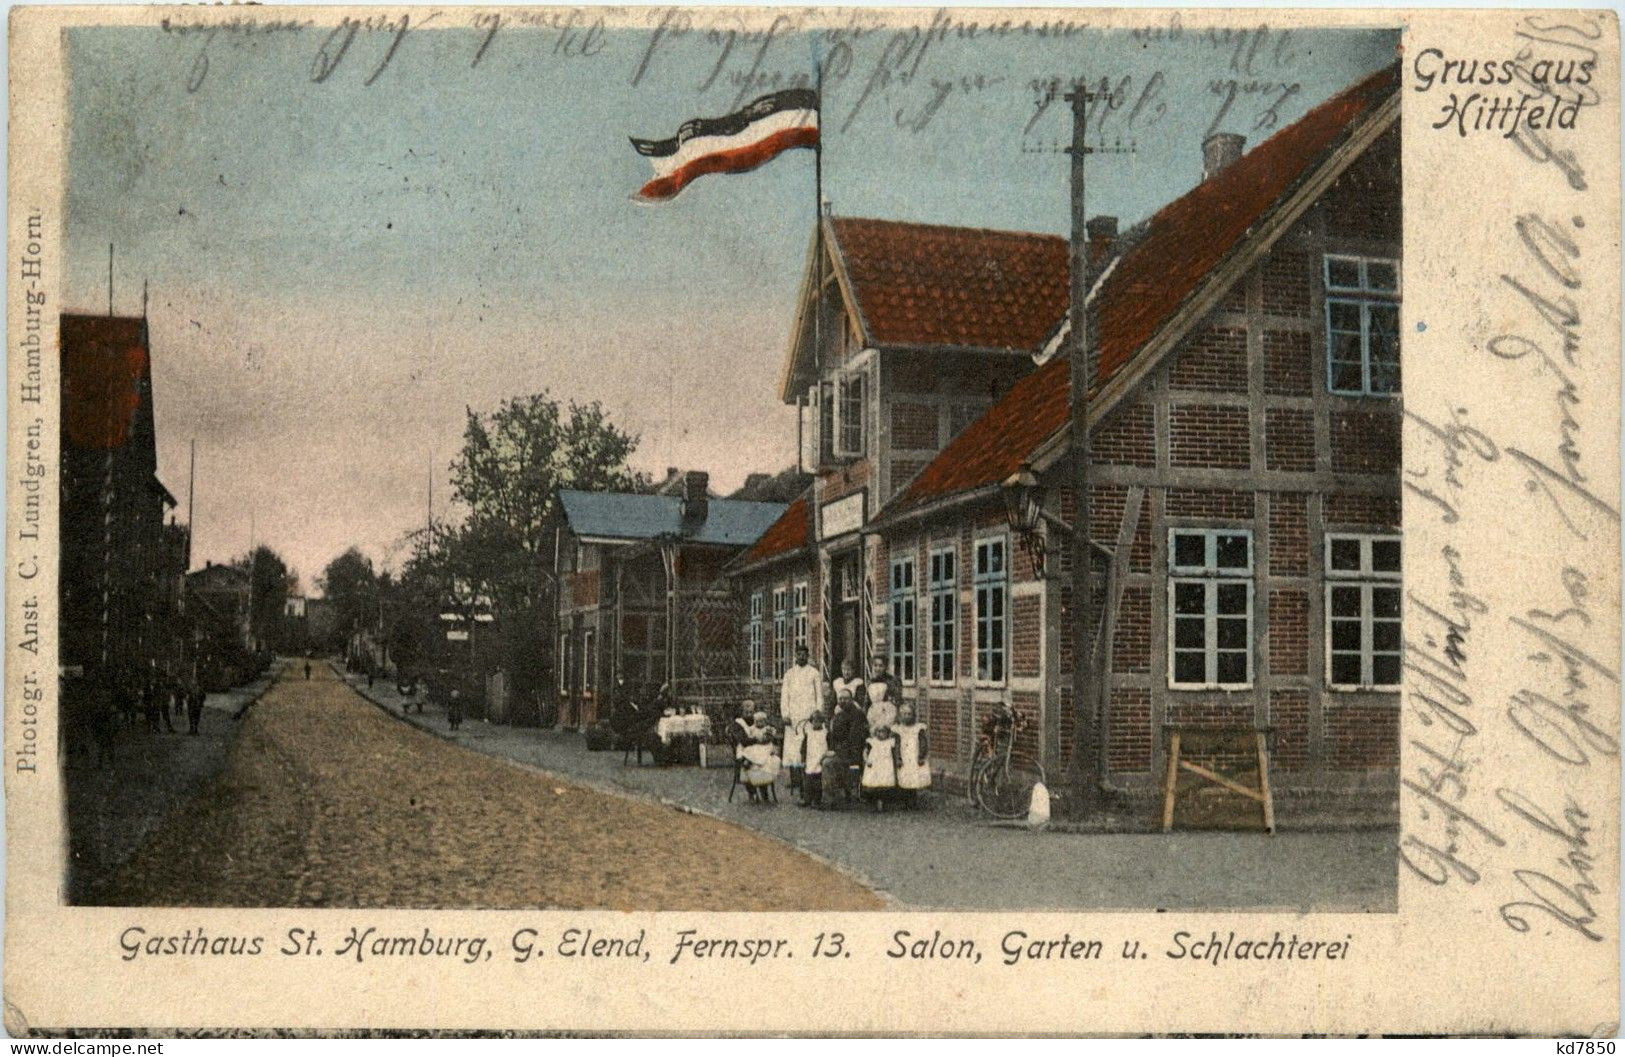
1168, 259
104, 361
925, 284
791, 532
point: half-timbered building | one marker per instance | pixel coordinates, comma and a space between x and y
1244, 466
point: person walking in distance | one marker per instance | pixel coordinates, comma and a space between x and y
194, 707
799, 697
307, 671
454, 708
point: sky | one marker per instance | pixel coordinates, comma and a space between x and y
336, 270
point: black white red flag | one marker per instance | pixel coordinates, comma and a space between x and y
738, 142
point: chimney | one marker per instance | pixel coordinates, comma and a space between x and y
1102, 233
1219, 150
696, 485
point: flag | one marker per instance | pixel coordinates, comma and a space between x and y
738, 142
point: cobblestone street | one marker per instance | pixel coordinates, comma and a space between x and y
946, 856
326, 801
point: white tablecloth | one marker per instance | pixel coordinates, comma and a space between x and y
694, 726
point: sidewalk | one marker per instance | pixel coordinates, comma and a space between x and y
945, 857
111, 809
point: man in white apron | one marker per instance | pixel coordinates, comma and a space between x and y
799, 697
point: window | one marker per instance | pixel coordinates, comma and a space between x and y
944, 586
1362, 612
1210, 608
846, 578
901, 611
781, 631
753, 635
562, 662
824, 394
991, 583
1362, 325
798, 625
589, 661
849, 415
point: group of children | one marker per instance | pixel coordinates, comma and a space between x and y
832, 760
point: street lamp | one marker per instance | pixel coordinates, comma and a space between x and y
1024, 494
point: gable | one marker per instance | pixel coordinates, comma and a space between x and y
1178, 266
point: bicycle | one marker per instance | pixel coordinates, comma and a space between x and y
996, 788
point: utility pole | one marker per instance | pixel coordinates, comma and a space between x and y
109, 279
1084, 778
191, 495
1086, 770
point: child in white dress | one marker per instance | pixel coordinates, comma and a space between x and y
814, 747
880, 767
761, 758
914, 755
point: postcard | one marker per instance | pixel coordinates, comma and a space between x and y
813, 521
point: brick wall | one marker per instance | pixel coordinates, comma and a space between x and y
942, 720
1365, 441
1026, 635
1209, 503
1285, 278
903, 471
1374, 511
1289, 439
1361, 735
1287, 363
1289, 534
1214, 360
1127, 438
1209, 436
1289, 713
1131, 642
914, 425
1129, 734
1365, 202
1289, 632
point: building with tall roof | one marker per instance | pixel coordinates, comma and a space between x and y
1244, 467
118, 581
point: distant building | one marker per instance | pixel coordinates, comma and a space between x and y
642, 597
225, 590
119, 604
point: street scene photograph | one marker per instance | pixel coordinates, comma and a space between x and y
667, 461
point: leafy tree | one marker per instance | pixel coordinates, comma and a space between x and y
350, 583
271, 582
505, 481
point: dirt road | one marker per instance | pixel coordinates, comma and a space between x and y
326, 801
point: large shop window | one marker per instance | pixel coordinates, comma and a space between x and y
798, 616
753, 635
992, 594
1362, 612
1210, 609
901, 609
781, 631
944, 585
1362, 325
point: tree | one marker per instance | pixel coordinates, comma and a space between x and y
350, 583
506, 479
270, 584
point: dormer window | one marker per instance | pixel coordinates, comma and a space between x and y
1362, 325
849, 433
